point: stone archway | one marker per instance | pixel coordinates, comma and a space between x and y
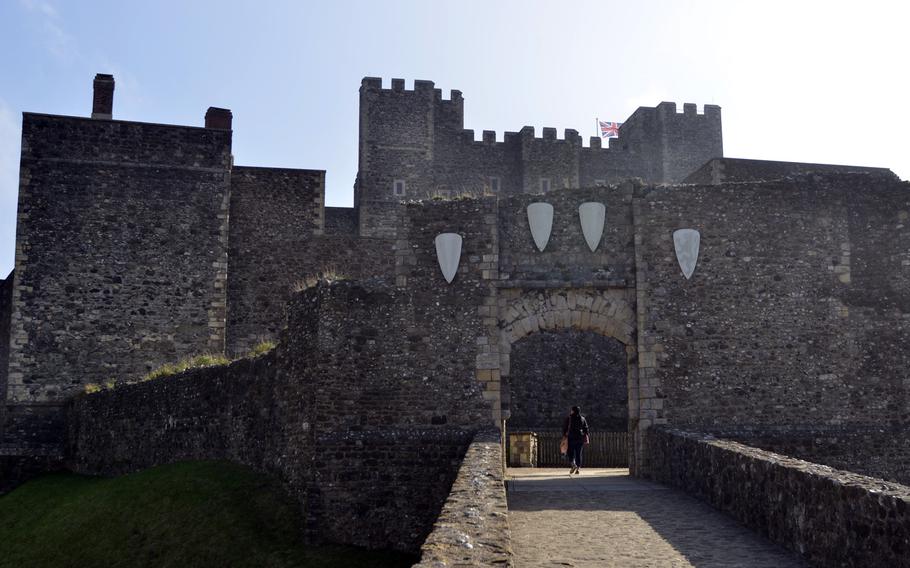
609, 312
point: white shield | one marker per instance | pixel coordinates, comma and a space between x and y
540, 218
592, 215
686, 242
448, 252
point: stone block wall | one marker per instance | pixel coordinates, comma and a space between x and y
417, 137
121, 251
278, 244
473, 527
720, 170
567, 260
467, 305
341, 221
522, 449
275, 215
552, 371
6, 301
353, 411
227, 413
877, 451
830, 517
796, 313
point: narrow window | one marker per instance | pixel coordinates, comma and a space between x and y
399, 187
494, 184
544, 185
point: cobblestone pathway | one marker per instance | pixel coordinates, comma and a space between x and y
604, 518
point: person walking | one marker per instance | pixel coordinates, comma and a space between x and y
575, 430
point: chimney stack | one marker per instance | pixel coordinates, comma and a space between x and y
103, 100
219, 118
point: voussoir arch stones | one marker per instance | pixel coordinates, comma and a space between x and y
602, 312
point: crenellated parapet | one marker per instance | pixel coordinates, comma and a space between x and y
413, 145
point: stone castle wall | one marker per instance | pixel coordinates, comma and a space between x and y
6, 301
353, 411
795, 316
720, 170
417, 137
278, 242
830, 517
121, 251
881, 451
553, 371
275, 214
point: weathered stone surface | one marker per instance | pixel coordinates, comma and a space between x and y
553, 371
278, 244
831, 517
881, 451
350, 411
121, 251
138, 244
6, 305
719, 170
766, 336
473, 527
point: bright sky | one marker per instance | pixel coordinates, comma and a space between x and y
799, 81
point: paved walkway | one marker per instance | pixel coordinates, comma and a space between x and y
604, 518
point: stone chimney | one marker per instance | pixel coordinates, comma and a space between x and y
219, 118
103, 99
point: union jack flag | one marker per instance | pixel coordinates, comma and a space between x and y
609, 129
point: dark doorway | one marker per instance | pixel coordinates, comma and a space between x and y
553, 371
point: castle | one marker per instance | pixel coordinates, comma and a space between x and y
138, 244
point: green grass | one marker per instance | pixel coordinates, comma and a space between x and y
193, 514
187, 363
261, 348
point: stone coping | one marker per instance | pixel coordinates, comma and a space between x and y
473, 527
831, 517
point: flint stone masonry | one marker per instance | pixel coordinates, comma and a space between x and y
796, 313
882, 451
138, 244
553, 371
6, 301
277, 242
120, 247
719, 170
418, 137
833, 518
360, 421
473, 527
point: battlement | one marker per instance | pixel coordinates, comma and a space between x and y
398, 86
689, 109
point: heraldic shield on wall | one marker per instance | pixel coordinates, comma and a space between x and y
540, 219
686, 242
592, 215
448, 253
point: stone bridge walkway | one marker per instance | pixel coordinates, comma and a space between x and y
604, 518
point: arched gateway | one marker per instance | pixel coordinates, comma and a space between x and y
606, 311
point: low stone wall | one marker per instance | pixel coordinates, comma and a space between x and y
882, 452
833, 518
473, 527
362, 422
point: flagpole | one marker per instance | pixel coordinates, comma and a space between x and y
597, 127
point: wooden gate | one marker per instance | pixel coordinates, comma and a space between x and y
607, 449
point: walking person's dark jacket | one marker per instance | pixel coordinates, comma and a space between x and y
575, 428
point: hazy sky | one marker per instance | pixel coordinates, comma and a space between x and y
800, 81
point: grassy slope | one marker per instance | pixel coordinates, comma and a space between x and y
189, 514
